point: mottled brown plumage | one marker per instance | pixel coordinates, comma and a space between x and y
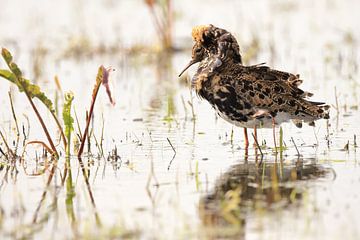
247, 96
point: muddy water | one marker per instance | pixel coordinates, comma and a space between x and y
175, 177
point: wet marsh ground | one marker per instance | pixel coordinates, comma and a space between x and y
160, 164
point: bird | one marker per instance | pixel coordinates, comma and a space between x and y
254, 96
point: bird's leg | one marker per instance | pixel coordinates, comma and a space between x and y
246, 139
255, 134
273, 125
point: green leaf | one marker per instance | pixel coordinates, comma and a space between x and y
9, 60
6, 55
24, 85
8, 75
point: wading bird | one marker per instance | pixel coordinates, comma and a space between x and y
247, 96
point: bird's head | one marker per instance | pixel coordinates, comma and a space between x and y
217, 41
212, 41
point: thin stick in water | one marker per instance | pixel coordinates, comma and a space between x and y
297, 150
173, 155
171, 145
14, 115
7, 146
257, 144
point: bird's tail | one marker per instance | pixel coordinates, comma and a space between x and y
309, 111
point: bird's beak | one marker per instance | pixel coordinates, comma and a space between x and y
193, 61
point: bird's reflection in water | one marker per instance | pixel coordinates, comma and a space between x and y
252, 187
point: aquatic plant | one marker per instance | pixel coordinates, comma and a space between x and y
101, 78
68, 120
31, 91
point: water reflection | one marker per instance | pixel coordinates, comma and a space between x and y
255, 186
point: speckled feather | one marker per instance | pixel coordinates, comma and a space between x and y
248, 96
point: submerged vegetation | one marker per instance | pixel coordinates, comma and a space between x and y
33, 91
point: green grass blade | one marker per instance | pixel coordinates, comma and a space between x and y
68, 119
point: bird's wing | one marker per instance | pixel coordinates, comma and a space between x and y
265, 73
276, 96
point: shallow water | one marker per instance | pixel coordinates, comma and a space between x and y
207, 187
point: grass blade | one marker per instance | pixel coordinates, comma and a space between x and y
68, 119
102, 76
